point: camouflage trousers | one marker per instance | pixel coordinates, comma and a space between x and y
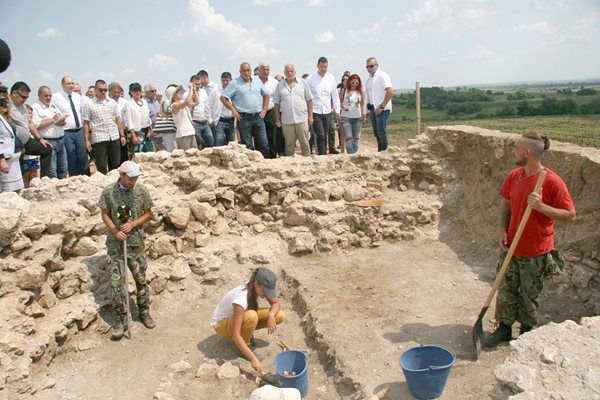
136, 261
519, 290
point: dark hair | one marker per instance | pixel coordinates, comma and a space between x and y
100, 81
42, 88
202, 74
536, 140
251, 297
135, 87
226, 75
322, 60
20, 85
194, 77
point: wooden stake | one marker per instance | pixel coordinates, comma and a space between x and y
418, 101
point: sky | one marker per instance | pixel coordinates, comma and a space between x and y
435, 42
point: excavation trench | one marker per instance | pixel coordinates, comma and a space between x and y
359, 284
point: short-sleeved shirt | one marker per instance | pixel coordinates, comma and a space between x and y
102, 116
538, 236
246, 97
137, 200
293, 101
238, 295
375, 88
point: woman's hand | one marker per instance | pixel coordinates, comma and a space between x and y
256, 365
4, 168
271, 325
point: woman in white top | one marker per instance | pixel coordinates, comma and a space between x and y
137, 121
237, 315
11, 179
352, 103
186, 134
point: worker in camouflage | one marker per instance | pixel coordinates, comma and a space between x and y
126, 206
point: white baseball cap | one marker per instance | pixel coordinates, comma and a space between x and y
269, 392
130, 168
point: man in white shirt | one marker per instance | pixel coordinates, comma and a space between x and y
201, 117
49, 122
206, 83
270, 84
379, 101
116, 92
223, 123
324, 91
293, 99
103, 130
68, 102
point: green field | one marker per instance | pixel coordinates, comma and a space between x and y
581, 130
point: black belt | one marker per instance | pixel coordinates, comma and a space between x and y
72, 130
225, 119
54, 138
200, 122
250, 115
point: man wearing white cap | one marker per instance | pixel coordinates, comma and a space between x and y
125, 207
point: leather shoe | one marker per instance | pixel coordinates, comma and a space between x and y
147, 320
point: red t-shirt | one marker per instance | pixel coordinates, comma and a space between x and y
538, 236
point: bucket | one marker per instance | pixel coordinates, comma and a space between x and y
292, 361
426, 369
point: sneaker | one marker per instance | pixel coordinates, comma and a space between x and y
147, 320
252, 343
333, 151
118, 331
503, 333
526, 328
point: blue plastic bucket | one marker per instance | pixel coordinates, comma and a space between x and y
293, 361
426, 369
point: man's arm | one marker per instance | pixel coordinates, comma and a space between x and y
265, 106
227, 103
128, 226
558, 214
309, 107
86, 134
121, 130
505, 214
389, 92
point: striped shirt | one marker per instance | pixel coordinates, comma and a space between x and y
102, 116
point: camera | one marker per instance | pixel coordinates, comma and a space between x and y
3, 102
370, 107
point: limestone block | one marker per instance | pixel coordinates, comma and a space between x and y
9, 224
302, 243
228, 371
67, 287
179, 217
34, 310
220, 227
295, 216
581, 276
180, 367
201, 240
57, 224
31, 277
47, 297
247, 218
260, 199
207, 370
204, 197
204, 212
162, 247
227, 199
83, 313
85, 246
518, 377
33, 228
181, 270
230, 179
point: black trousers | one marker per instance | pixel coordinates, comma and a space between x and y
35, 148
107, 155
321, 131
271, 129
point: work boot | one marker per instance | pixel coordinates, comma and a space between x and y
147, 319
526, 328
503, 333
333, 151
119, 329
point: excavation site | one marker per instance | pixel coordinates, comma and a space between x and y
374, 253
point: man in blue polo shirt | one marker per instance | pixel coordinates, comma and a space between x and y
248, 101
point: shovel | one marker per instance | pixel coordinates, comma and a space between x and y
478, 327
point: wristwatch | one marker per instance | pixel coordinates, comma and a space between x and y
381, 107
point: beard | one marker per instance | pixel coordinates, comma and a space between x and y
521, 162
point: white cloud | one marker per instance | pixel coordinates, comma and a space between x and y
434, 11
316, 3
244, 42
481, 53
46, 76
269, 29
160, 61
107, 76
50, 33
325, 37
365, 35
128, 71
111, 32
540, 26
476, 15
268, 2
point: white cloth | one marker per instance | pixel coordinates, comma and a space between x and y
7, 139
137, 116
12, 181
292, 101
61, 100
270, 86
351, 102
183, 122
375, 89
324, 92
42, 112
102, 116
201, 110
269, 392
237, 295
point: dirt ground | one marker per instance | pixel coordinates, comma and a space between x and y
354, 311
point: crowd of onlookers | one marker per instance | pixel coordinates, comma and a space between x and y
67, 133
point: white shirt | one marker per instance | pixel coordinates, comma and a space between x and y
270, 86
237, 295
210, 87
121, 108
42, 112
375, 89
292, 101
137, 116
324, 92
183, 122
201, 111
102, 116
61, 100
217, 110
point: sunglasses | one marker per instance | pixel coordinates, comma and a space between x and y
101, 90
371, 65
22, 96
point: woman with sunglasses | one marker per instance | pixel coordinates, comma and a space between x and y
11, 179
352, 104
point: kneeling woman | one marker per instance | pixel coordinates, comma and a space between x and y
237, 315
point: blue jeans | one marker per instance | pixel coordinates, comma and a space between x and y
77, 158
58, 165
252, 127
225, 132
204, 136
352, 133
379, 123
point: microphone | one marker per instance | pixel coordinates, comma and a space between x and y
4, 56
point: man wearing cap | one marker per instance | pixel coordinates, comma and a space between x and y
125, 209
237, 315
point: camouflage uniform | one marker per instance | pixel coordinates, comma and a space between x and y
138, 200
519, 290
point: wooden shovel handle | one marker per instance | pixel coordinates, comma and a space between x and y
515, 241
